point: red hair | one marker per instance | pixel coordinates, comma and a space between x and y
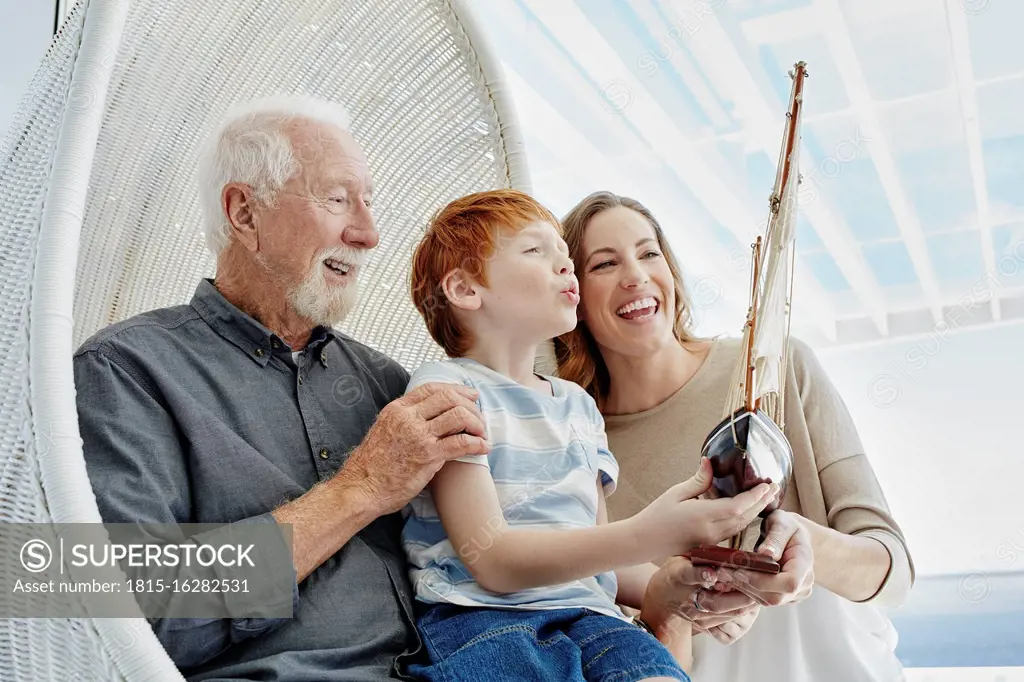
465, 234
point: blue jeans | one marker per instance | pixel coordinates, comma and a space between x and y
501, 645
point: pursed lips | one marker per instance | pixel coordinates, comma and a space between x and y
572, 291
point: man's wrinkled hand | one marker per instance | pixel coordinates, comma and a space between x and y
411, 440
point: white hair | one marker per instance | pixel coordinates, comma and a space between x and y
250, 146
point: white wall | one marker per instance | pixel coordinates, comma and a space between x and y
942, 419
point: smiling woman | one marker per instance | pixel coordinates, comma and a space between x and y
661, 391
639, 307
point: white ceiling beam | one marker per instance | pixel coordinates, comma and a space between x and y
802, 22
972, 130
780, 27
926, 334
600, 170
668, 52
719, 57
993, 80
838, 39
883, 105
847, 112
585, 161
603, 65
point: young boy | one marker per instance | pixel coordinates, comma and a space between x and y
514, 564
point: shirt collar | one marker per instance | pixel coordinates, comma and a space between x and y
244, 331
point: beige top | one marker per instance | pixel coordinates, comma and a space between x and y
833, 483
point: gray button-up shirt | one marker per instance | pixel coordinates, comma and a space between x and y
199, 414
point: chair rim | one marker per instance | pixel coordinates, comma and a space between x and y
53, 416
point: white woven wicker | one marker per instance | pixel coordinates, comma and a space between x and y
96, 178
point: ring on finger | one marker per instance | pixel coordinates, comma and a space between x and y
696, 602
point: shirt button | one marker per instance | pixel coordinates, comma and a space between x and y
323, 357
324, 454
258, 352
300, 379
275, 343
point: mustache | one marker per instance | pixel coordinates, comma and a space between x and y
345, 254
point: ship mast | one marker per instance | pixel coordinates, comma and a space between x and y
768, 267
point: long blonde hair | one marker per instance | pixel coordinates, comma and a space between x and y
576, 352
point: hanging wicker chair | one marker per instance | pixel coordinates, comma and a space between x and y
97, 180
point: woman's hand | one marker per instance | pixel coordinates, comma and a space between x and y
675, 523
731, 630
681, 595
789, 543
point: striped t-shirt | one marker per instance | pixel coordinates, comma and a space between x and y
546, 454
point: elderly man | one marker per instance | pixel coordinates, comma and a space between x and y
225, 409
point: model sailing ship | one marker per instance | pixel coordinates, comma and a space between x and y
748, 446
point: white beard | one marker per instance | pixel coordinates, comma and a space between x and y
323, 303
316, 300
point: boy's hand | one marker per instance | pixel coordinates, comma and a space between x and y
676, 522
